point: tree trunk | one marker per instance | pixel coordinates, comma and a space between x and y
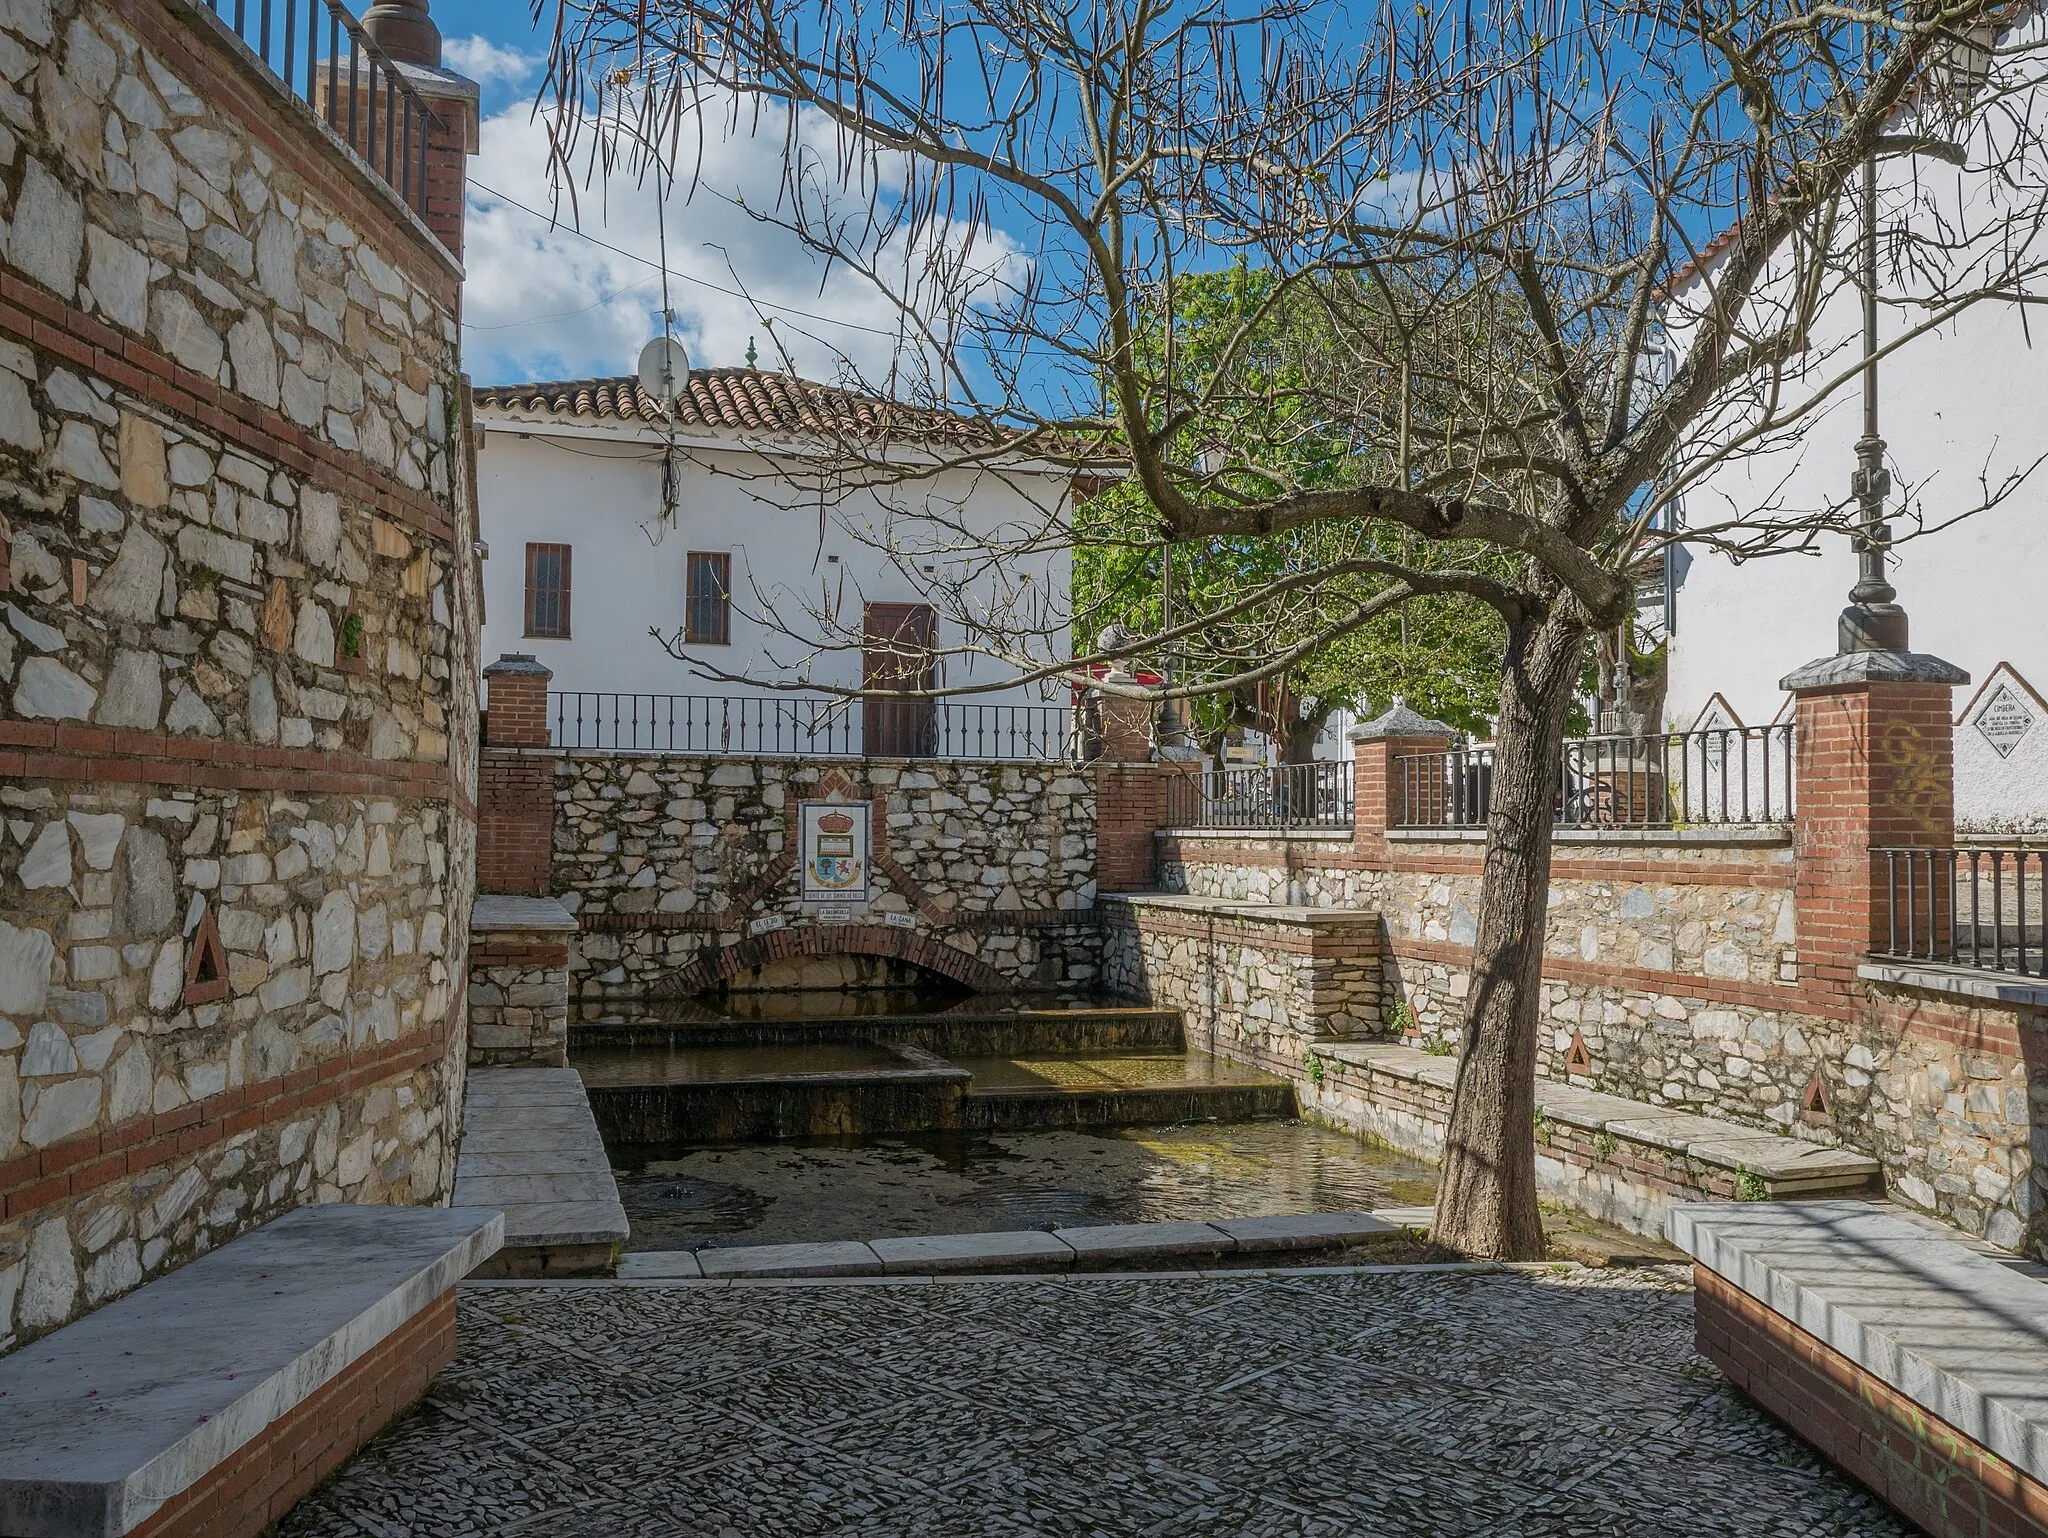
1487, 1205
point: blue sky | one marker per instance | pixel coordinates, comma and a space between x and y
544, 303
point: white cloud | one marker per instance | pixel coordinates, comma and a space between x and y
545, 303
487, 63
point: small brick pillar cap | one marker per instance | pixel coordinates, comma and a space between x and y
404, 30
518, 665
1400, 721
1850, 668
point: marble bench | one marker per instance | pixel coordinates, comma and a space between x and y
210, 1400
1913, 1358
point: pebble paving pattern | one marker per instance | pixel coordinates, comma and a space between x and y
1553, 1401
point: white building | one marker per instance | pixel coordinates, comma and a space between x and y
1960, 407
769, 563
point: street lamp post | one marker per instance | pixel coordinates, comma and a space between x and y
1873, 622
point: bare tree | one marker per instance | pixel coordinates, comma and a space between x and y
1524, 355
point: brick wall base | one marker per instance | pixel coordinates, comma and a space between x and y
1922, 1467
265, 1478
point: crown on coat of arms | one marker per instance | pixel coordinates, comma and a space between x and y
835, 822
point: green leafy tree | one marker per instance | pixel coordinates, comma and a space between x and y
1440, 654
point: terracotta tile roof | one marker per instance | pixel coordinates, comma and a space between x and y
739, 399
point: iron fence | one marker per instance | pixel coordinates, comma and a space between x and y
1316, 795
1719, 776
360, 94
1984, 908
801, 726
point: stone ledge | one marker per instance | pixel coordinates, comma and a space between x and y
531, 1149
1786, 1165
1965, 982
492, 913
1956, 1332
116, 1414
1246, 912
1760, 836
1019, 1251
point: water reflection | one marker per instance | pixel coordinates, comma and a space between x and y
874, 1187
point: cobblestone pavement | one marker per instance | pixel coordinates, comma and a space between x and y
1358, 1403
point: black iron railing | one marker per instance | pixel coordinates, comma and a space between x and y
1720, 776
1316, 795
1984, 908
804, 726
319, 52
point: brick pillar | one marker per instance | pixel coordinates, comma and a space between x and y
1378, 788
1130, 809
1876, 757
515, 779
409, 37
1126, 728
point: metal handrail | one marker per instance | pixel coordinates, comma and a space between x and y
1981, 908
1312, 795
270, 29
1717, 776
806, 726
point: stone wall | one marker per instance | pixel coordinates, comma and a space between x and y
1259, 983
682, 870
519, 954
1672, 976
238, 634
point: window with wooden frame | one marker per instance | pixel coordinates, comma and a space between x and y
707, 614
547, 591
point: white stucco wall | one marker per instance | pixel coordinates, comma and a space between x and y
593, 490
1960, 407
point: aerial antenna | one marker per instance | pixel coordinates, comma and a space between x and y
664, 366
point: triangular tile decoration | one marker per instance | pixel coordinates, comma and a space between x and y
2004, 710
206, 964
1814, 1104
834, 783
1580, 1058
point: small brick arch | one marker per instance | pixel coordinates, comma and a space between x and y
715, 967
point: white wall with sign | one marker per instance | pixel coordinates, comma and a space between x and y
2002, 758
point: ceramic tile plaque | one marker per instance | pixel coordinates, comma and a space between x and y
835, 852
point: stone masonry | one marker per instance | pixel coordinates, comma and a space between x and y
667, 861
235, 637
519, 953
1715, 971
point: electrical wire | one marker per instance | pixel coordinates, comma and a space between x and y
662, 266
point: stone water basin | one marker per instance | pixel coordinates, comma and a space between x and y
683, 1197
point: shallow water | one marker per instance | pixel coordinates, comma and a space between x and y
934, 1183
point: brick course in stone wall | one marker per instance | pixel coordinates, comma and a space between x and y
235, 639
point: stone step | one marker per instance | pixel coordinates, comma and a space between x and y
1691, 1147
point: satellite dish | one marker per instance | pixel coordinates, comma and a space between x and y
664, 369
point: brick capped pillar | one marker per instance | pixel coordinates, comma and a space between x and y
1876, 756
515, 779
1378, 788
1130, 809
408, 35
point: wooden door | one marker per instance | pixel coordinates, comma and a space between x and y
900, 642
